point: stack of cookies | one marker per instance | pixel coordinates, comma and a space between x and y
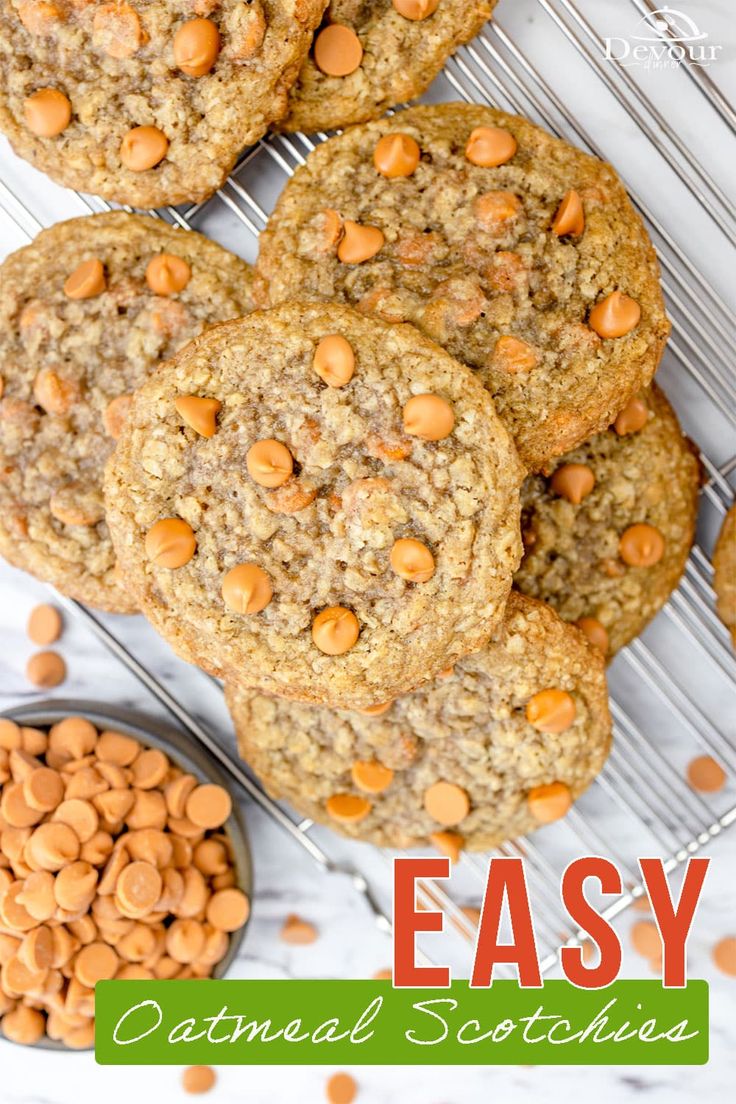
436, 386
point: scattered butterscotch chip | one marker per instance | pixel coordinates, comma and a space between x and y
209, 806
569, 217
549, 802
645, 938
359, 242
449, 843
44, 625
335, 630
615, 316
511, 354
86, 281
198, 1079
115, 415
632, 418
334, 360
143, 148
705, 774
170, 543
641, 545
412, 560
47, 112
429, 417
246, 589
337, 50
724, 955
347, 808
396, 155
199, 414
375, 710
228, 909
446, 803
551, 711
371, 776
385, 974
269, 463
46, 669
573, 482
196, 46
595, 632
298, 931
166, 274
490, 146
341, 1088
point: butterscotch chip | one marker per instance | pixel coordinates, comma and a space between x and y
297, 931
341, 1089
641, 545
10, 735
138, 888
198, 1079
569, 216
177, 792
573, 482
38, 898
376, 710
705, 774
211, 857
337, 50
196, 46
167, 274
170, 543
75, 886
434, 738
615, 316
269, 463
95, 962
86, 281
490, 146
359, 242
551, 711
47, 112
227, 910
595, 632
35, 742
511, 354
549, 802
149, 769
23, 1025
412, 560
334, 360
73, 737
44, 625
246, 589
117, 747
335, 630
396, 155
724, 955
645, 938
53, 846
80, 815
209, 806
449, 843
46, 669
429, 417
371, 776
43, 789
13, 914
151, 845
632, 418
14, 808
200, 414
148, 810
143, 148
415, 9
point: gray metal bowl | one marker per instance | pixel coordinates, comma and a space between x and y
183, 752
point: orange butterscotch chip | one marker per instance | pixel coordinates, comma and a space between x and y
73, 737
47, 112
549, 802
347, 808
198, 1079
429, 417
705, 774
632, 418
46, 669
724, 955
149, 769
43, 789
337, 50
645, 938
95, 962
551, 711
39, 17
446, 803
166, 274
615, 316
196, 46
569, 217
359, 242
246, 589
573, 482
490, 146
594, 631
269, 463
170, 543
341, 1087
448, 843
44, 625
117, 747
334, 360
375, 710
641, 545
53, 846
209, 805
116, 414
138, 888
335, 630
55, 394
86, 281
396, 155
297, 931
23, 1025
371, 776
415, 9
228, 909
117, 29
412, 560
143, 148
513, 355
493, 208
198, 413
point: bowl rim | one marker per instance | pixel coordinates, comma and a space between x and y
183, 752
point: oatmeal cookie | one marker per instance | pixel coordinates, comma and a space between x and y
724, 572
86, 312
504, 742
373, 54
519, 254
347, 525
608, 528
147, 102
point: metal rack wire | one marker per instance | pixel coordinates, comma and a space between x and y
649, 799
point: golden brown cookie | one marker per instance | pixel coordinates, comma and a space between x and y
147, 103
87, 311
350, 526
608, 527
518, 253
724, 572
491, 750
369, 55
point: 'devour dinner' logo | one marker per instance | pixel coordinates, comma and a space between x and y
663, 39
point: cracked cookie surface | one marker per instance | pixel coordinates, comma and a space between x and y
467, 253
463, 734
118, 66
294, 507
68, 365
577, 553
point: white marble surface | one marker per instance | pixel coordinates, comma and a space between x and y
286, 878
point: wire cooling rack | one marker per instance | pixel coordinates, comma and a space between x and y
641, 803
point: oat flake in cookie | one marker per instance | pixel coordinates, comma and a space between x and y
86, 312
724, 572
146, 102
519, 254
486, 752
372, 54
349, 525
608, 527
